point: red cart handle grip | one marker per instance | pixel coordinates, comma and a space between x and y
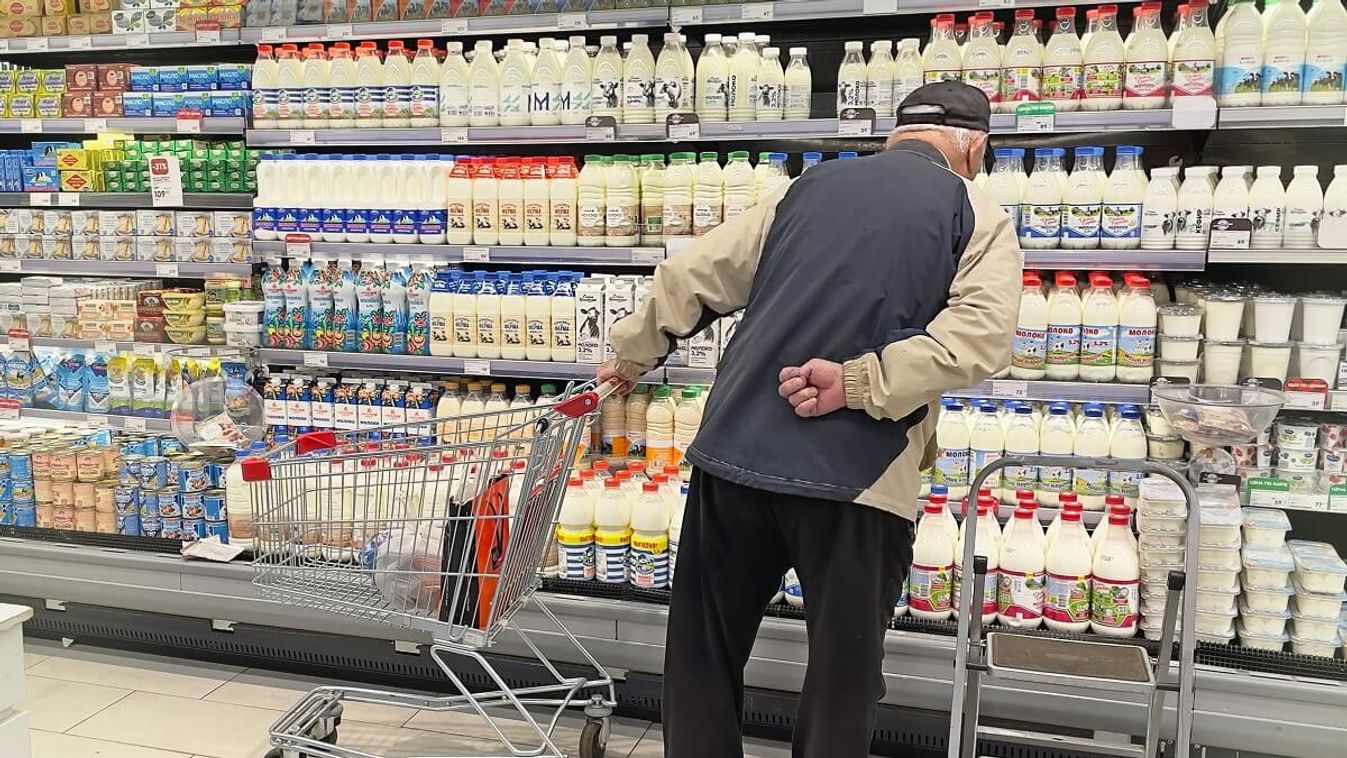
310, 441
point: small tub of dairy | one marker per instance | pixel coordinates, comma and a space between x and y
1299, 481
1266, 567
1297, 432
244, 313
1323, 606
1321, 318
1180, 320
1177, 369
1218, 525
1265, 454
1332, 460
1162, 557
1260, 640
1164, 447
1217, 579
1296, 459
1301, 646
1224, 314
1177, 347
242, 335
1315, 630
1264, 527
1154, 576
1221, 360
1318, 361
1160, 497
1148, 523
1216, 624
1268, 601
1332, 435
1216, 601
1148, 541
1245, 455
1226, 558
1269, 360
1272, 317
1318, 567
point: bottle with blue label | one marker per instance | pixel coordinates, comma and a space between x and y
648, 560
1041, 201
1120, 223
1239, 72
612, 533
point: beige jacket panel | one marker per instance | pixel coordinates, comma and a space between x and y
896, 489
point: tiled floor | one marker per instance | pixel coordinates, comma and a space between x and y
98, 703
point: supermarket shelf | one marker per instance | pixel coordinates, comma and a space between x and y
433, 364
122, 199
136, 347
1095, 121
1100, 392
1236, 710
518, 254
108, 42
1117, 260
804, 10
165, 125
121, 268
135, 423
628, 18
1279, 117
686, 375
1279, 257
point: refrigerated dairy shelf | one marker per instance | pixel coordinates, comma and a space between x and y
1117, 260
116, 42
130, 125
1278, 117
539, 255
1074, 392
145, 348
121, 268
436, 364
1279, 257
121, 199
130, 423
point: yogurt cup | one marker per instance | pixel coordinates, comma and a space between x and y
1318, 567
1266, 567
239, 335
1245, 455
1268, 601
1332, 460
1264, 527
1179, 320
1320, 318
1255, 641
1332, 480
1269, 360
1177, 369
1164, 448
1295, 459
1272, 315
1179, 347
1296, 432
1220, 359
1324, 606
1298, 481
1313, 647
1265, 455
1332, 435
1223, 316
1318, 361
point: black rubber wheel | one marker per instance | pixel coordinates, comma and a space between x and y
330, 738
593, 740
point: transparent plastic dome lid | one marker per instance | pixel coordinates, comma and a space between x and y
1218, 414
216, 412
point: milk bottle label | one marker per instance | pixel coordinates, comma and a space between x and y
454, 101
315, 102
591, 220
705, 217
1080, 221
1030, 349
929, 588
367, 102
341, 103
1054, 478
1013, 210
605, 92
1020, 594
404, 221
511, 331
562, 329
334, 221
1194, 78
464, 326
1040, 221
397, 102
431, 221
509, 216
458, 215
936, 75
1242, 76
561, 215
1156, 224
1098, 345
1281, 73
648, 562
1063, 344
482, 100
486, 330
1125, 483
1067, 598
1121, 221
1019, 478
1021, 84
770, 96
1136, 346
1103, 80
1114, 604
545, 97
535, 215
677, 220
986, 79
621, 219
536, 329
1090, 482
264, 104
638, 92
1300, 221
610, 555
990, 584
423, 100
1145, 79
981, 459
514, 98
851, 94
575, 551
264, 219
951, 467
796, 98
1062, 82
713, 94
357, 221
1323, 72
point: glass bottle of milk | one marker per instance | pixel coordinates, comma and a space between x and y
799, 85
712, 70
1041, 204
1124, 192
1082, 200
851, 78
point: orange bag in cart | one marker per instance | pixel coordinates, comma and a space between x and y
472, 570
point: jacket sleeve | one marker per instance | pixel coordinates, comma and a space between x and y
966, 343
709, 279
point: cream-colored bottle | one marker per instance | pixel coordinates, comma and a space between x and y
605, 94
591, 204
707, 195
545, 86
673, 87
575, 82
515, 88
455, 109
483, 87
907, 71
622, 204
742, 83
652, 199
638, 83
799, 85
879, 78
771, 86
851, 90
712, 70
678, 191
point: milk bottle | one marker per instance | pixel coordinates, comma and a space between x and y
1092, 440
289, 88
458, 192
1159, 210
678, 190
659, 428
591, 202
638, 83
563, 198
1022, 64
1082, 200
1194, 55
982, 58
413, 185
1128, 444
423, 86
1057, 436
1335, 208
1239, 71
648, 564
1325, 58
537, 208
942, 59
612, 535
1283, 52
1145, 80
1104, 56
712, 70
1021, 439
952, 451
1028, 355
1041, 203
314, 98
929, 590
576, 73
513, 306
1231, 198
988, 546
851, 91
485, 202
741, 83
1066, 503
798, 86
1065, 316
1066, 599
707, 196
687, 420
339, 98
563, 320
771, 86
1063, 64
673, 87
514, 94
545, 104
510, 202
1267, 206
1114, 506
622, 204
465, 315
739, 184
455, 107
987, 444
1006, 179
1195, 203
575, 533
441, 306
1136, 334
1116, 572
1021, 573
397, 84
638, 403
1124, 192
483, 87
605, 94
1304, 207
1099, 330
266, 72
879, 78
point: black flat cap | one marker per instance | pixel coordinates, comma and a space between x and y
947, 103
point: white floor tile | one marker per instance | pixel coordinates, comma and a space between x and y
185, 725
144, 673
395, 743
625, 733
55, 705
52, 745
262, 689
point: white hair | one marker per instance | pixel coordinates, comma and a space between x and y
961, 137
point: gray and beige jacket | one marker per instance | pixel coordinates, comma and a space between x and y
892, 265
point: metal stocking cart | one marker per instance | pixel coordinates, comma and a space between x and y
439, 525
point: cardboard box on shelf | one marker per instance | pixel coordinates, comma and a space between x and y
52, 26
161, 19
21, 8
47, 105
29, 80
227, 16
90, 23
20, 105
81, 77
58, 7
113, 76
77, 104
128, 21
82, 181
107, 103
19, 26
98, 6
52, 80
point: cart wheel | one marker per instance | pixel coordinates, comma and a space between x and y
330, 738
594, 739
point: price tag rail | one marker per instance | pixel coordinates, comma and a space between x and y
539, 255
130, 125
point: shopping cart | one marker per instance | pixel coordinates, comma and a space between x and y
1108, 664
441, 526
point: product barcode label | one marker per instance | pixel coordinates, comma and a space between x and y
68, 199
30, 125
1010, 389
457, 136
454, 26
166, 269
134, 424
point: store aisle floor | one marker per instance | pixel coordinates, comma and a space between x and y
88, 702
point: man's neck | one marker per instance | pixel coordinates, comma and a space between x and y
924, 148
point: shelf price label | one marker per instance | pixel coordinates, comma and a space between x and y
80, 42
1197, 112
105, 347
758, 12
454, 136
685, 15
340, 31
10, 265
95, 125
30, 125
1035, 117
315, 360
96, 420
40, 199
996, 3
1231, 233
876, 7
68, 199
166, 269
477, 367
476, 255
856, 122
139, 39
683, 126
1017, 390
454, 26
647, 256
165, 181
189, 121
572, 21
298, 246
301, 137
600, 129
208, 32
39, 44
133, 423
20, 340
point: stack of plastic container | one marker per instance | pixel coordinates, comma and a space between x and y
1218, 537
1266, 592
1317, 608
1162, 521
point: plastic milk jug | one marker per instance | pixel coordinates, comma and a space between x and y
575, 533
952, 451
1066, 598
1284, 30
576, 72
1194, 55
989, 546
987, 444
537, 206
591, 202
879, 78
929, 588
1129, 444
638, 403
1063, 64
455, 105
673, 88
510, 203
1022, 64
741, 86
1006, 180
942, 58
851, 88
1028, 357
1041, 203
612, 533
648, 564
708, 195
1082, 200
1114, 600
1239, 71
1267, 207
1021, 439
1136, 332
678, 191
419, 85
487, 307
1325, 54
483, 87
651, 219
1145, 81
1021, 573
712, 71
369, 86
397, 86
739, 184
1064, 329
1066, 503
265, 84
1099, 330
545, 104
982, 58
1057, 436
1195, 203
515, 76
563, 320
1104, 64
622, 204
1092, 440
485, 202
1304, 207
1335, 207
907, 69
687, 420
289, 88
513, 304
1159, 209
638, 83
798, 87
605, 94
1124, 193
659, 428
340, 87
562, 196
458, 193
1114, 506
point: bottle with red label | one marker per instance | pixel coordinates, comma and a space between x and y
930, 592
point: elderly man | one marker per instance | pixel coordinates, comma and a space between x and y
869, 288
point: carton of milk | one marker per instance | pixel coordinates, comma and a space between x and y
590, 335
704, 347
619, 301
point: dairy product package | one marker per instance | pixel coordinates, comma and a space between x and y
591, 335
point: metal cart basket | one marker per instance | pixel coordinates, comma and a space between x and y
438, 525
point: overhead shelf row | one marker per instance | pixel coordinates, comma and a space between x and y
121, 199
129, 125
120, 268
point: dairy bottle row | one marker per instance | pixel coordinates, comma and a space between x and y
1089, 333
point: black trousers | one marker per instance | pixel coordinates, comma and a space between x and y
735, 544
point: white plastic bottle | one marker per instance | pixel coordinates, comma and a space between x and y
1082, 200
799, 85
1092, 441
673, 87
1146, 78
289, 87
455, 107
1325, 54
986, 445
562, 191
739, 182
545, 104
1239, 71
1231, 198
1028, 356
622, 204
648, 565
1064, 324
575, 533
708, 195
982, 58
687, 421
851, 88
1136, 333
510, 202
264, 88
576, 72
879, 78
1057, 436
1069, 563
952, 451
423, 95
1021, 439
1021, 574
1284, 36
513, 316
1064, 64
397, 86
942, 59
771, 86
1194, 55
1099, 330
314, 102
612, 535
1128, 444
907, 69
1124, 193
605, 93
1304, 208
638, 83
929, 581
1006, 181
369, 87
485, 202
1041, 203
1104, 64
677, 196
1195, 203
1116, 575
741, 85
515, 94
465, 316
458, 193
563, 318
1335, 208
988, 539
537, 205
591, 202
1022, 64
713, 68
1159, 209
483, 87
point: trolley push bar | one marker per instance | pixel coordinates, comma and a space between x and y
438, 525
1114, 665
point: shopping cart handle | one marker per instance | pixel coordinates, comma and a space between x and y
255, 469
310, 441
585, 402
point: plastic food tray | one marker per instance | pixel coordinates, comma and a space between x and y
1266, 567
1318, 567
1324, 606
1265, 527
1266, 624
1218, 557
1261, 640
1267, 600
1217, 579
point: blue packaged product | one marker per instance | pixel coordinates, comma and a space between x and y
322, 396
228, 103
218, 529
4, 467
20, 465
128, 471
193, 528
7, 512
21, 490
138, 104
346, 311
128, 524
214, 475
25, 514
171, 473
44, 153
170, 528
192, 476
173, 78
149, 504
197, 101
166, 104
154, 472
143, 79
126, 500
96, 395
298, 411
203, 78
234, 76
213, 503
41, 179
418, 310
395, 311
170, 506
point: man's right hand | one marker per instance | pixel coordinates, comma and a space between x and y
814, 389
608, 372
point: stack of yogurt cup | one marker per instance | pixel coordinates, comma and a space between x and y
1218, 563
1308, 455
1266, 593
1316, 609
1162, 522
1180, 333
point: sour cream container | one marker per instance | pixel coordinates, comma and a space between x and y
1268, 601
1318, 361
1264, 527
1177, 369
1221, 359
1179, 347
1179, 320
1269, 360
1272, 316
1320, 318
1296, 432
1224, 314
1318, 567
1266, 567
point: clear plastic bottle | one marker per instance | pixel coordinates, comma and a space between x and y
545, 85
1092, 441
982, 58
677, 199
1029, 352
397, 86
673, 87
1284, 36
576, 75
1022, 64
741, 86
316, 99
638, 83
1194, 55
879, 78
851, 92
652, 199
1146, 78
771, 86
708, 195
591, 202
1159, 209
264, 88
799, 83
622, 202
605, 93
1304, 208
562, 198
1041, 203
483, 87
1064, 323
942, 59
1124, 193
1063, 64
1104, 56
907, 71
713, 68
1082, 200
687, 420
1099, 330
455, 108
1136, 331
